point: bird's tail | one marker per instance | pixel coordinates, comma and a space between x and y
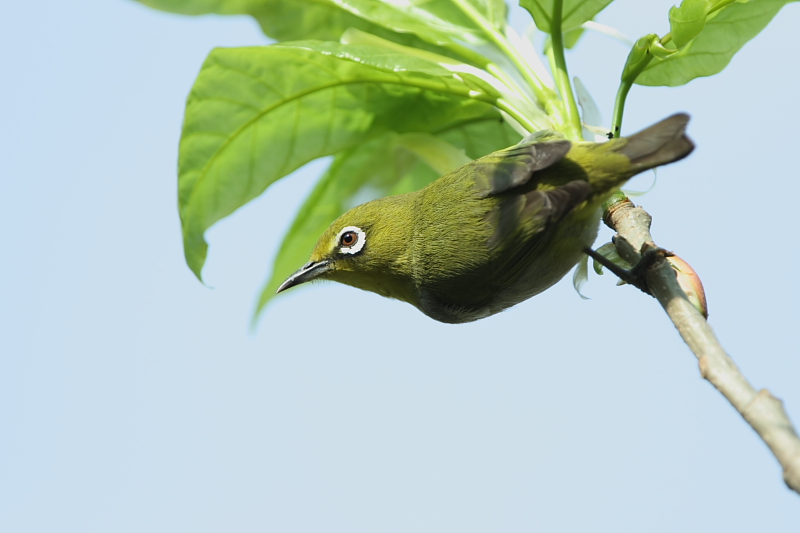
661, 143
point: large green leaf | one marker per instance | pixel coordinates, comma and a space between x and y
283, 20
573, 14
436, 22
256, 114
725, 32
381, 166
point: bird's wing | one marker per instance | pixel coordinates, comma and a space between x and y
501, 171
533, 211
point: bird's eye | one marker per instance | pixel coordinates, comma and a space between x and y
351, 240
348, 239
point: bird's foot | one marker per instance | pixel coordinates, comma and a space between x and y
636, 276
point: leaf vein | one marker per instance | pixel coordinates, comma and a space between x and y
446, 88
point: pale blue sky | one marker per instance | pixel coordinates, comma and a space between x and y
133, 398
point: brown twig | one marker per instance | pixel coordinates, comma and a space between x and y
763, 411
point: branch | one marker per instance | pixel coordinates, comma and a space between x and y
760, 409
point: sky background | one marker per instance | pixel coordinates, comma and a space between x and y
133, 398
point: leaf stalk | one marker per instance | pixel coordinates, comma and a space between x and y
561, 75
542, 93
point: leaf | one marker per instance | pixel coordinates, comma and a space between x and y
347, 175
724, 34
639, 57
202, 7
687, 21
609, 251
581, 276
439, 22
381, 166
439, 155
574, 12
590, 113
415, 179
256, 114
478, 136
572, 36
282, 20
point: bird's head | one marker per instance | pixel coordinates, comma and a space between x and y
368, 247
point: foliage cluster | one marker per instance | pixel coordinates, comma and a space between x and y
400, 92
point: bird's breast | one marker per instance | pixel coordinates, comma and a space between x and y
478, 285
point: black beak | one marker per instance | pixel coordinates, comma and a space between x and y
308, 272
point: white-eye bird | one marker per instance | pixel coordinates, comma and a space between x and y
493, 232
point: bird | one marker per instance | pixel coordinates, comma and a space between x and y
494, 232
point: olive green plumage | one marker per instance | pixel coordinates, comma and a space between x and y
493, 232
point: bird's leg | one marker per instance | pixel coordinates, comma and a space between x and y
636, 276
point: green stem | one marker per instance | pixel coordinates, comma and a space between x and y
474, 57
517, 115
542, 92
507, 80
619, 109
619, 103
573, 122
626, 84
551, 59
478, 63
551, 56
501, 75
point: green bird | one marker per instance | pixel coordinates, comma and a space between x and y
493, 232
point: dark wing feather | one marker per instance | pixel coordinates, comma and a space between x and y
534, 210
501, 171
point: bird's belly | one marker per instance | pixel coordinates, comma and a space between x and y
541, 274
542, 271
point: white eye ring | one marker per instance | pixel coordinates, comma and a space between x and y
360, 242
